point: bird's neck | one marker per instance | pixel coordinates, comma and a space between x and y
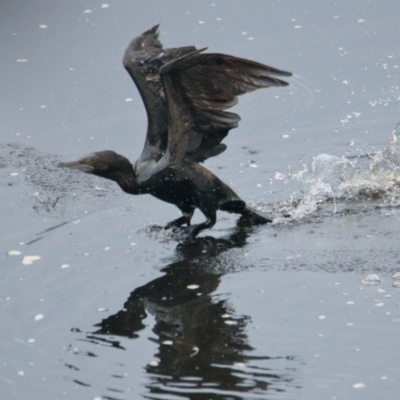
128, 183
126, 178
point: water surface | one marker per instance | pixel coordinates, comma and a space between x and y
97, 303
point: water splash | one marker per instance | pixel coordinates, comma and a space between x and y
337, 185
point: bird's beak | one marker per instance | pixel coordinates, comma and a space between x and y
76, 165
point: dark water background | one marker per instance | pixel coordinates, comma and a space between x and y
113, 309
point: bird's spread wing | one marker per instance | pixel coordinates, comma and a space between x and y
199, 87
143, 59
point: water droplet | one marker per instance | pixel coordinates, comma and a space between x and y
193, 287
371, 279
153, 363
195, 351
238, 364
39, 317
396, 275
27, 260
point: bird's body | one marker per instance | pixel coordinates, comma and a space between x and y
186, 93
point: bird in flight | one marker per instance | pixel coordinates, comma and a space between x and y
186, 93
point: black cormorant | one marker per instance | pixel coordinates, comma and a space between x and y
186, 93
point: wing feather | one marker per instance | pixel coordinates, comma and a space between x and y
199, 87
143, 59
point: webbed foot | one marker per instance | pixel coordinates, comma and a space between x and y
185, 234
254, 217
187, 215
190, 232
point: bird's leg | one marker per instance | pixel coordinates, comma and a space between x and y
185, 219
193, 230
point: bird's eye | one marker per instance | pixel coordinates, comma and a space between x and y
89, 161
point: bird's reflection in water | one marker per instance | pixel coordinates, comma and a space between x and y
203, 347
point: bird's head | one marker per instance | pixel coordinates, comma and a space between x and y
106, 164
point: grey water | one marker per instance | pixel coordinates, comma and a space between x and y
98, 302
